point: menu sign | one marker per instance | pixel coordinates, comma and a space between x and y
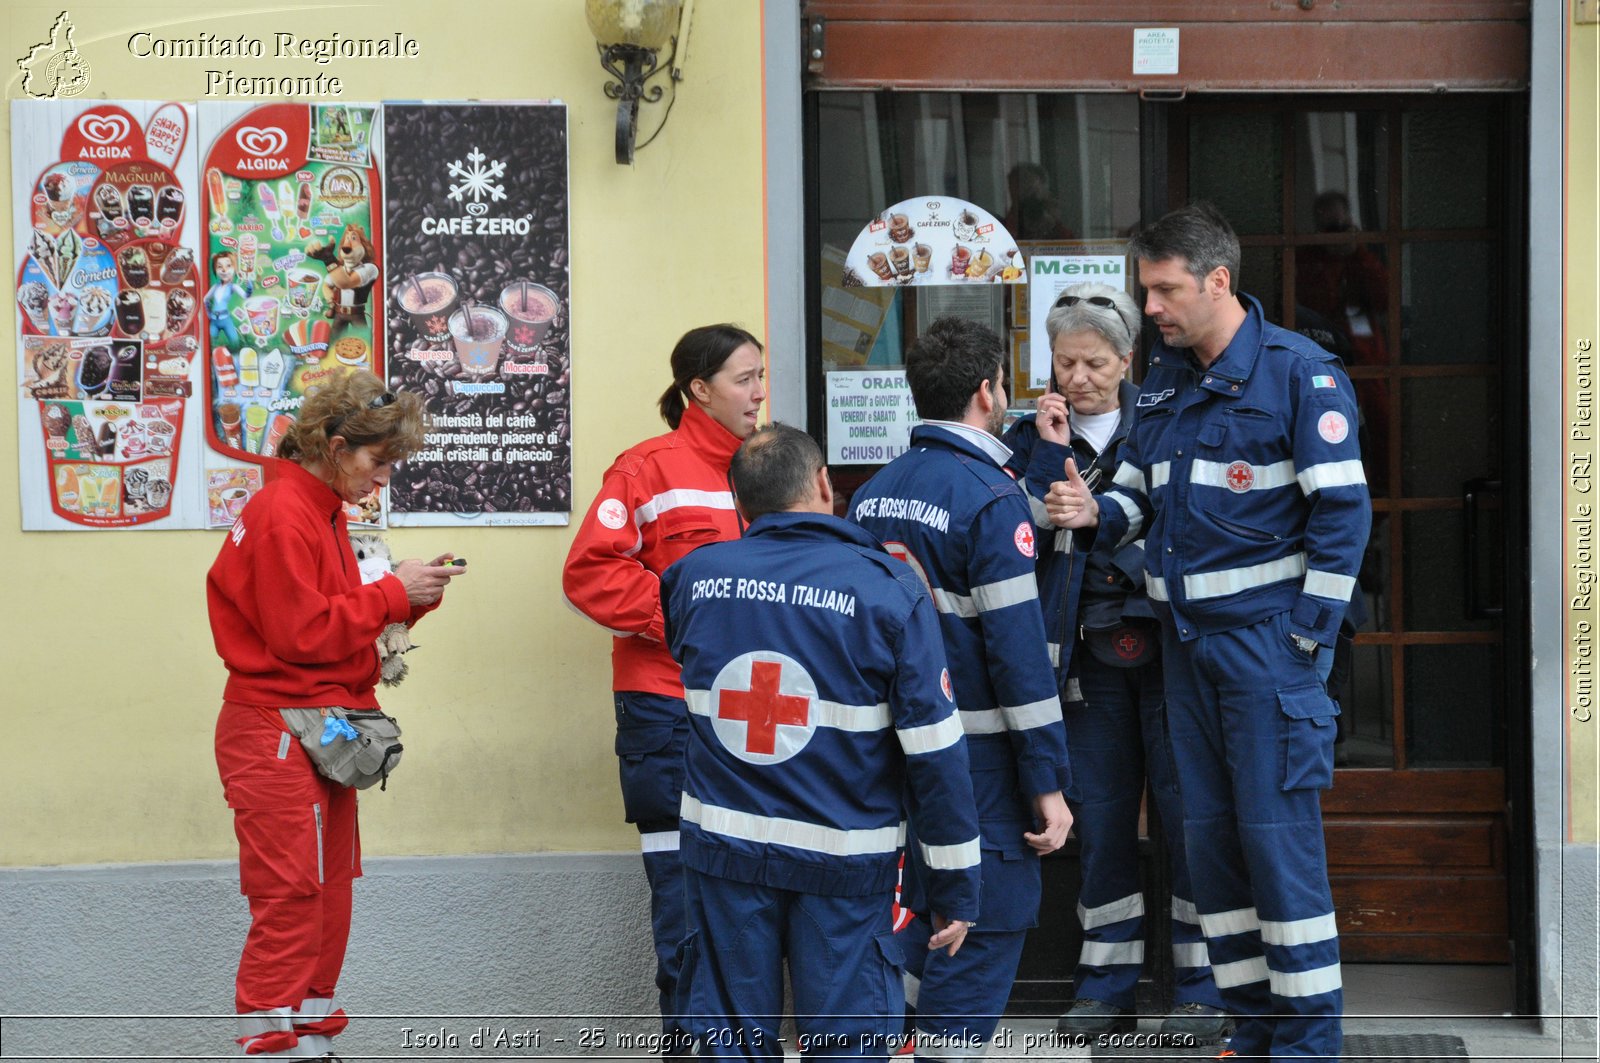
478, 309
107, 296
294, 277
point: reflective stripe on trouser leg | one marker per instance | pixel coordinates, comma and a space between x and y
1270, 887
1103, 731
268, 1033
1215, 860
664, 869
962, 997
1192, 981
317, 1021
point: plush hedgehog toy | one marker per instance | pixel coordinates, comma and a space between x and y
372, 555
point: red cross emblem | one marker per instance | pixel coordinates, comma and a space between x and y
777, 694
1240, 477
1023, 537
1129, 644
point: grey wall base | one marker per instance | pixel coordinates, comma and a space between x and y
505, 946
1569, 929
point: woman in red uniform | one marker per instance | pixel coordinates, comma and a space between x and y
659, 500
297, 628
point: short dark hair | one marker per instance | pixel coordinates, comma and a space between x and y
948, 363
699, 354
1199, 235
773, 469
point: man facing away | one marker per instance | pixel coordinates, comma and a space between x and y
819, 707
948, 507
1243, 473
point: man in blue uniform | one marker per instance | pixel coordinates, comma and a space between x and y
948, 507
819, 707
1243, 473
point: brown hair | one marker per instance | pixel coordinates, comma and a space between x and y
359, 407
698, 356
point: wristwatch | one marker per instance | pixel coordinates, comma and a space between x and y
1307, 646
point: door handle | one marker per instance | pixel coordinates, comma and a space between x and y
1472, 493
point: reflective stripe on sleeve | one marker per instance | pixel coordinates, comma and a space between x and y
1192, 955
1184, 911
930, 738
775, 830
1156, 588
660, 841
990, 597
1262, 477
982, 722
951, 857
952, 603
1160, 473
1036, 714
1112, 912
1130, 477
1332, 474
1234, 580
1330, 585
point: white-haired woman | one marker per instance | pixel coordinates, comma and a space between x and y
1107, 645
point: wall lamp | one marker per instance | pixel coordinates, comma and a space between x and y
630, 35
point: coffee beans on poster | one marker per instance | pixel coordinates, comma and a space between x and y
420, 143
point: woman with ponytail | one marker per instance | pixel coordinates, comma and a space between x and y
658, 501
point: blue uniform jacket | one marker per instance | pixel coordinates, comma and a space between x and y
820, 712
1245, 480
947, 507
1109, 582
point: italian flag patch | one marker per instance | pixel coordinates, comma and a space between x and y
1323, 382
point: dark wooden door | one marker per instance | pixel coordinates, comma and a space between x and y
1381, 227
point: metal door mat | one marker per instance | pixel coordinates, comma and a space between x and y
1362, 1047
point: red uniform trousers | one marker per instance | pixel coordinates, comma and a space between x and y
299, 850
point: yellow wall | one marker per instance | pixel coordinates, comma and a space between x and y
111, 682
1583, 488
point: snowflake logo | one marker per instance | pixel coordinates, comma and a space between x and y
477, 180
436, 324
523, 335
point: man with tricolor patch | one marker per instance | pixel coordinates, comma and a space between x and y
1243, 475
948, 507
821, 717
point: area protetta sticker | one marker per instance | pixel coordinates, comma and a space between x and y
108, 324
293, 272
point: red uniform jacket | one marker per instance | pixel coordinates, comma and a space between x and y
659, 500
289, 614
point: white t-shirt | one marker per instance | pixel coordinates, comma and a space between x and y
1097, 428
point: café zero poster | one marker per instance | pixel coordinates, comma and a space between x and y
106, 301
476, 252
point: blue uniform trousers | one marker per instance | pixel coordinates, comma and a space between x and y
652, 730
958, 1000
1117, 734
1252, 740
844, 968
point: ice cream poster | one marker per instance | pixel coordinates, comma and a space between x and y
933, 240
478, 305
293, 275
108, 324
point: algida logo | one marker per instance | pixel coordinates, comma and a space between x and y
55, 69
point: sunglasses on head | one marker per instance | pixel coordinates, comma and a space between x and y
1096, 300
377, 402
